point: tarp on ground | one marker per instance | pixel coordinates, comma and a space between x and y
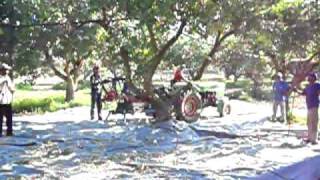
308, 169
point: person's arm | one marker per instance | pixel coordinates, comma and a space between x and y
11, 85
300, 91
273, 87
3, 80
287, 90
91, 81
318, 89
104, 88
184, 74
94, 82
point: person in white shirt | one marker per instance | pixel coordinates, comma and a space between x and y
6, 96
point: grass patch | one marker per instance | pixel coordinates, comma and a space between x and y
59, 86
242, 87
294, 119
81, 86
263, 92
47, 101
243, 84
23, 86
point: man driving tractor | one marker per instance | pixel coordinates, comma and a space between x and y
177, 75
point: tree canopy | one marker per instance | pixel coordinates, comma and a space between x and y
139, 36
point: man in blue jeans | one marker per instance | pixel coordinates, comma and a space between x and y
280, 90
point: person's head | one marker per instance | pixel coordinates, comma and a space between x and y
277, 77
4, 69
96, 69
312, 77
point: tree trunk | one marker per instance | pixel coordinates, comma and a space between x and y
201, 70
70, 89
255, 89
219, 39
236, 78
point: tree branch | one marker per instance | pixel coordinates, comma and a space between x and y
76, 71
126, 62
227, 34
208, 59
78, 23
156, 60
49, 60
152, 38
301, 68
274, 61
128, 72
314, 55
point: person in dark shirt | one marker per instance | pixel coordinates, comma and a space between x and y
312, 92
96, 91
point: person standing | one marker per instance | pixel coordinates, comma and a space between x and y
6, 97
280, 89
312, 92
96, 91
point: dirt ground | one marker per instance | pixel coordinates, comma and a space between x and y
67, 145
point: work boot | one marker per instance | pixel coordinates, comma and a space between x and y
281, 120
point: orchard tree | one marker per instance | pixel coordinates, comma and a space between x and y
47, 33
187, 51
288, 33
13, 39
232, 59
217, 21
66, 54
142, 32
66, 39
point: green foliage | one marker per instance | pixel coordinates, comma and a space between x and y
62, 85
59, 86
39, 105
44, 101
295, 119
84, 85
244, 90
23, 86
283, 6
239, 84
187, 51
